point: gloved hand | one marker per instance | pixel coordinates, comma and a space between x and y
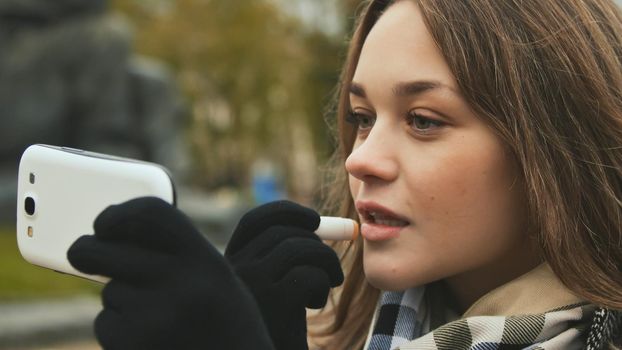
275, 251
169, 288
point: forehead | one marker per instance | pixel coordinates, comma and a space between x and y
400, 48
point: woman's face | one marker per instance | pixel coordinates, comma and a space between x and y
438, 195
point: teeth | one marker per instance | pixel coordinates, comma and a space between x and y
390, 222
386, 220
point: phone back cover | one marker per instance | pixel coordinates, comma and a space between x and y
70, 190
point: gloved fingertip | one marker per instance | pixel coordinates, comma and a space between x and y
83, 253
113, 214
318, 300
78, 246
282, 212
106, 218
337, 278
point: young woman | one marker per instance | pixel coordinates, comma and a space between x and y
482, 147
482, 144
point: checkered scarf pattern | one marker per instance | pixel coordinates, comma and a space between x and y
400, 319
403, 322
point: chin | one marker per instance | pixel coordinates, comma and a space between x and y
385, 284
391, 278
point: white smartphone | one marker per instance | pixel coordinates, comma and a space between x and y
61, 191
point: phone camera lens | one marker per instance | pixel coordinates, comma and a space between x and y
29, 205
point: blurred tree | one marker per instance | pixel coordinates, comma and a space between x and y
350, 8
257, 82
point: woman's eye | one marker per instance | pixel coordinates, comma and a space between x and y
362, 121
422, 124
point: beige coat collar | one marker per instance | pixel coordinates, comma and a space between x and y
537, 291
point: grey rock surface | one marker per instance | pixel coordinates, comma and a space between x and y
68, 77
36, 323
42, 12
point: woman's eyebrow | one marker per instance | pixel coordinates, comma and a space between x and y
404, 88
357, 90
417, 87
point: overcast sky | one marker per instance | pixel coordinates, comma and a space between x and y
318, 14
321, 14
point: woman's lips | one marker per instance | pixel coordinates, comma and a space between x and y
377, 232
378, 222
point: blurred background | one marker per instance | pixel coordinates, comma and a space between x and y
230, 95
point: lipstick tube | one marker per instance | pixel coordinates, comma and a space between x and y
337, 229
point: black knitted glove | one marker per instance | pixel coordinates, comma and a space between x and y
170, 288
275, 251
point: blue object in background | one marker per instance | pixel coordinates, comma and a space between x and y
266, 183
266, 189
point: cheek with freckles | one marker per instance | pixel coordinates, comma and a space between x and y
465, 186
466, 213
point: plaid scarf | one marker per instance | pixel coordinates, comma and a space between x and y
403, 321
400, 319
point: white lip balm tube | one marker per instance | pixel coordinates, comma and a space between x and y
337, 229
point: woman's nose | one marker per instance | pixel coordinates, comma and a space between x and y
374, 158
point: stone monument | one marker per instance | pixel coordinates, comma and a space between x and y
68, 77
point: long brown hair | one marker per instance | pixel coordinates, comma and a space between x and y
546, 76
